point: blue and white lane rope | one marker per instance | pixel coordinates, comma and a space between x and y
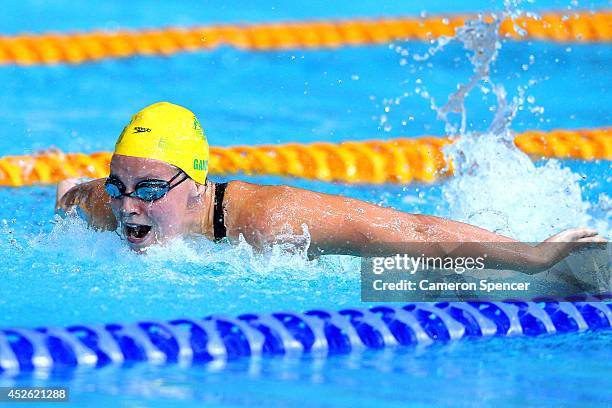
323, 332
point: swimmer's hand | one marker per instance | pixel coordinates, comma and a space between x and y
559, 246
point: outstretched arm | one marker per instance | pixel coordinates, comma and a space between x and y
91, 198
341, 225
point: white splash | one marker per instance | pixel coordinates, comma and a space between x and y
73, 239
497, 186
185, 258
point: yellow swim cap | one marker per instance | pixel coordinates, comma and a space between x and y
169, 133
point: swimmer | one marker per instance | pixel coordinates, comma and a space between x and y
158, 190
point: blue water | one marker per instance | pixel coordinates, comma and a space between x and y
60, 274
300, 96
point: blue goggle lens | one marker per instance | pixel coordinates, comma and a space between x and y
112, 189
150, 191
145, 190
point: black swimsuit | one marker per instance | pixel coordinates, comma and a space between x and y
218, 217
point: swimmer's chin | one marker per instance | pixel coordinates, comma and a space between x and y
150, 241
141, 247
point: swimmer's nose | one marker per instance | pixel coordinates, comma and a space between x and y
129, 206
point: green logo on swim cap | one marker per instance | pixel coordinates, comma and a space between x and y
197, 127
200, 164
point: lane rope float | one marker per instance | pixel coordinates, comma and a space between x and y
321, 332
402, 160
76, 48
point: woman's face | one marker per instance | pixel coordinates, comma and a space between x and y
142, 223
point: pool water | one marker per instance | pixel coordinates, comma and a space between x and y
67, 274
293, 96
57, 272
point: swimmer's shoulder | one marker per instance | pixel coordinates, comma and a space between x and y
262, 205
255, 196
91, 199
248, 203
241, 193
252, 207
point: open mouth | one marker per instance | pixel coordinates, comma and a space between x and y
136, 233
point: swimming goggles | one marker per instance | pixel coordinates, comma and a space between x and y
146, 190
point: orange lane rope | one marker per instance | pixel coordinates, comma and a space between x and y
378, 161
52, 48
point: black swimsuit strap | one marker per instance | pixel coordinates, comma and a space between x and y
218, 217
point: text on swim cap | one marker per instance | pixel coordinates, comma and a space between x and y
200, 164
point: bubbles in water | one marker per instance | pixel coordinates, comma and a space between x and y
10, 237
